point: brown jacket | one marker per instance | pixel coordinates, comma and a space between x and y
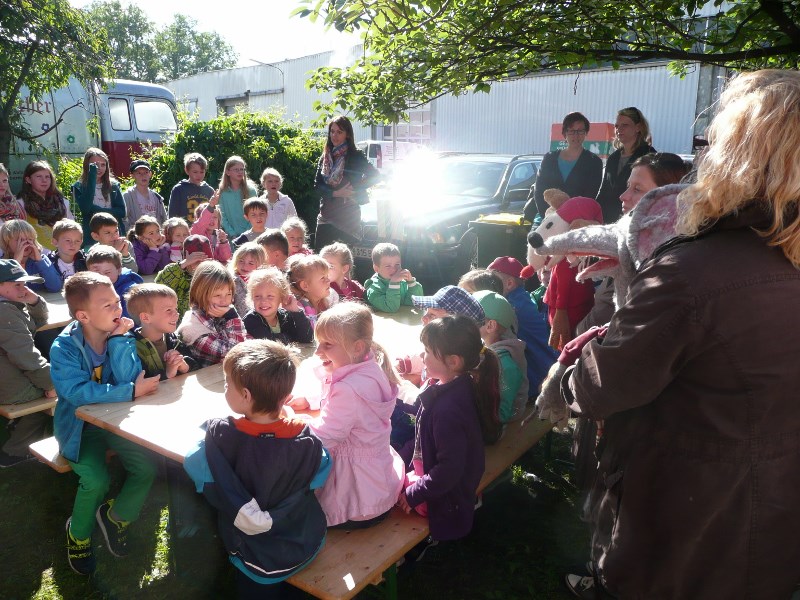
698, 493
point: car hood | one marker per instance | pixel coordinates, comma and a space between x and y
426, 211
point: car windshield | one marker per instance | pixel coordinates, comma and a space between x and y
450, 176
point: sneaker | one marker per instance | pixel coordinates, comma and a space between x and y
114, 532
80, 554
417, 553
580, 586
9, 460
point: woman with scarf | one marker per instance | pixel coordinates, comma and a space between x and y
343, 176
44, 203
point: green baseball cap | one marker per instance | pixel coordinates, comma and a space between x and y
496, 307
11, 270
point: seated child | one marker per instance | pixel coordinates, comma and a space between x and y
25, 372
188, 193
532, 326
279, 205
263, 461
94, 360
276, 246
340, 259
212, 327
108, 261
18, 241
139, 199
178, 276
296, 232
391, 286
149, 247
255, 212
308, 276
276, 314
10, 207
154, 308
498, 334
175, 231
206, 222
448, 462
67, 258
359, 390
247, 258
105, 230
480, 279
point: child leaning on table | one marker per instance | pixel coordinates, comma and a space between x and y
258, 470
392, 285
18, 240
276, 314
154, 309
94, 360
311, 284
108, 261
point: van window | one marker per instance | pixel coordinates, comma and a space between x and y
154, 115
120, 117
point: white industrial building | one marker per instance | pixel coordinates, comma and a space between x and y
514, 118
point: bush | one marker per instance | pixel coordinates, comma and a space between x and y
261, 139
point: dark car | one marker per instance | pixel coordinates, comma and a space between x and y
427, 205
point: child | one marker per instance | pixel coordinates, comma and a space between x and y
498, 334
480, 279
154, 308
449, 460
10, 208
108, 261
308, 276
255, 212
206, 222
139, 199
276, 314
248, 257
176, 230
212, 327
234, 189
296, 234
105, 230
24, 371
276, 246
178, 276
262, 461
98, 191
44, 203
280, 206
190, 192
67, 258
94, 360
391, 286
149, 246
359, 391
532, 327
340, 259
18, 241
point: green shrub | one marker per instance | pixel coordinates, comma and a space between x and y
261, 139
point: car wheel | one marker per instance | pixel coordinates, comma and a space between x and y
467, 256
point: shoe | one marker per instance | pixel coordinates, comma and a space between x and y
589, 567
580, 586
9, 460
80, 554
114, 532
417, 553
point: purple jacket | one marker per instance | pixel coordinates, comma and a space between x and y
150, 260
452, 456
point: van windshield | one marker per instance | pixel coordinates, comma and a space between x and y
154, 115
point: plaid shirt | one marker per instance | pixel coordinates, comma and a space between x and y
223, 334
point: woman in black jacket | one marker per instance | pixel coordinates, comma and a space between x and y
343, 176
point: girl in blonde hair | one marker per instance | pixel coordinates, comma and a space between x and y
309, 276
248, 257
234, 189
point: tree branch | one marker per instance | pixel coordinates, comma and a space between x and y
30, 138
11, 99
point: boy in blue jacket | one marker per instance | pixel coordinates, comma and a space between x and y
94, 360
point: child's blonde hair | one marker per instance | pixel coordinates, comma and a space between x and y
101, 253
141, 225
13, 229
208, 276
140, 298
274, 173
295, 223
340, 251
383, 249
351, 322
251, 249
303, 266
65, 225
225, 180
478, 280
271, 276
170, 225
4, 171
78, 289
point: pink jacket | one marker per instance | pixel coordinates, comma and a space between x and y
354, 425
222, 252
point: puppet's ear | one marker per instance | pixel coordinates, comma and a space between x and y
653, 222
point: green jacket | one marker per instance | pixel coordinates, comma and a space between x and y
152, 361
386, 296
24, 372
179, 280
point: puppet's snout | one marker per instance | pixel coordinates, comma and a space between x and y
535, 240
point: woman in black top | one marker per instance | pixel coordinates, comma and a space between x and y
632, 141
343, 176
573, 170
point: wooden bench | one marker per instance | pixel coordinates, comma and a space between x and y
47, 452
351, 560
15, 411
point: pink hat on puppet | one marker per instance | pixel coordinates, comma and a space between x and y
581, 207
508, 265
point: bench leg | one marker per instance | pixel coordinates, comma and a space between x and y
390, 575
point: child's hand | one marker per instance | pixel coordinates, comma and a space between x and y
124, 325
217, 311
150, 243
298, 403
222, 237
145, 385
36, 251
24, 249
160, 240
214, 200
406, 275
402, 502
50, 394
30, 297
175, 363
195, 258
291, 304
121, 244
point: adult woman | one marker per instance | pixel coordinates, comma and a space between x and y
573, 170
98, 191
631, 142
699, 464
343, 176
44, 203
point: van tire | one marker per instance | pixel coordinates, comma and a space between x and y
467, 254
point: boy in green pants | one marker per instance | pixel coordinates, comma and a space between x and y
94, 360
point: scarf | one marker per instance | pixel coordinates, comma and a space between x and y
333, 164
10, 209
48, 210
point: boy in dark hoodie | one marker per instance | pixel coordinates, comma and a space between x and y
191, 192
107, 261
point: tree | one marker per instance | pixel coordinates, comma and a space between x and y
423, 49
42, 44
131, 36
185, 51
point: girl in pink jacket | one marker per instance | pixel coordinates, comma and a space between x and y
358, 396
207, 218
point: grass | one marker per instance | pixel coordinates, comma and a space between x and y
525, 537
